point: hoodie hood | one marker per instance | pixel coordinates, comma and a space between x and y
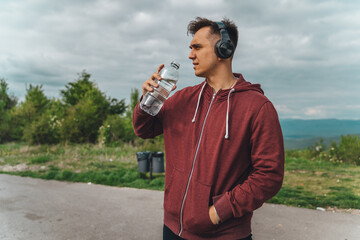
241, 85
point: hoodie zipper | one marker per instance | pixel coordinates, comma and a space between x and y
193, 165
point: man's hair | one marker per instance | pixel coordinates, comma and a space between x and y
199, 23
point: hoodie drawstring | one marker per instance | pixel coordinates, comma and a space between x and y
227, 114
198, 103
227, 110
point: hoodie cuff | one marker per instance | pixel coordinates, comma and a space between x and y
223, 207
138, 109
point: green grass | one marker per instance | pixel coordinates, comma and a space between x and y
299, 197
113, 166
40, 159
307, 183
316, 183
121, 177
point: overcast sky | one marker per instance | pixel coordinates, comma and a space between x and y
305, 54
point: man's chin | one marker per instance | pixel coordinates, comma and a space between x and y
199, 74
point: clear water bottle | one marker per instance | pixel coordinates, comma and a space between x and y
153, 101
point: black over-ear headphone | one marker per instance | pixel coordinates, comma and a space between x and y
224, 47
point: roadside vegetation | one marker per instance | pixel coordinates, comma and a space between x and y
86, 136
318, 183
109, 165
82, 136
323, 176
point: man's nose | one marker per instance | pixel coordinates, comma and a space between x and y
191, 55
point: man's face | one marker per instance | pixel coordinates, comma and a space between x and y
202, 52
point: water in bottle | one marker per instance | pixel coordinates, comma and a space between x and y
153, 101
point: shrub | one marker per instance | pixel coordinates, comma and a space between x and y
313, 152
348, 150
29, 111
153, 145
46, 129
84, 119
5, 126
88, 108
116, 128
6, 104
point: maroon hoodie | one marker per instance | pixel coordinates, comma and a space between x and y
224, 149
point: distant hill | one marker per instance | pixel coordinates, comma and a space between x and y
303, 133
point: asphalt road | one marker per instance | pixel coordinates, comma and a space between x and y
38, 209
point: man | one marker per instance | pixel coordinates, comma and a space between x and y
223, 143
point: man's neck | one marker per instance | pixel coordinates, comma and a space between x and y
224, 79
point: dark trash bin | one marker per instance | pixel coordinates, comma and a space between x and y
158, 162
143, 161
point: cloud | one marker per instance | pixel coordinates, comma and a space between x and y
316, 112
319, 111
304, 53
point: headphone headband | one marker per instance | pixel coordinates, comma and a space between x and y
223, 32
224, 47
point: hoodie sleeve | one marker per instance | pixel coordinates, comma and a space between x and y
145, 125
266, 177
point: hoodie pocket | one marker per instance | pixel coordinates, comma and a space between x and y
174, 192
196, 210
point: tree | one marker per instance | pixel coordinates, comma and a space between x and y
117, 107
75, 91
35, 103
83, 87
30, 110
88, 109
83, 120
76, 117
6, 104
134, 98
119, 128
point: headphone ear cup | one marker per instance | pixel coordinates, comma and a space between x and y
228, 49
217, 49
224, 49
